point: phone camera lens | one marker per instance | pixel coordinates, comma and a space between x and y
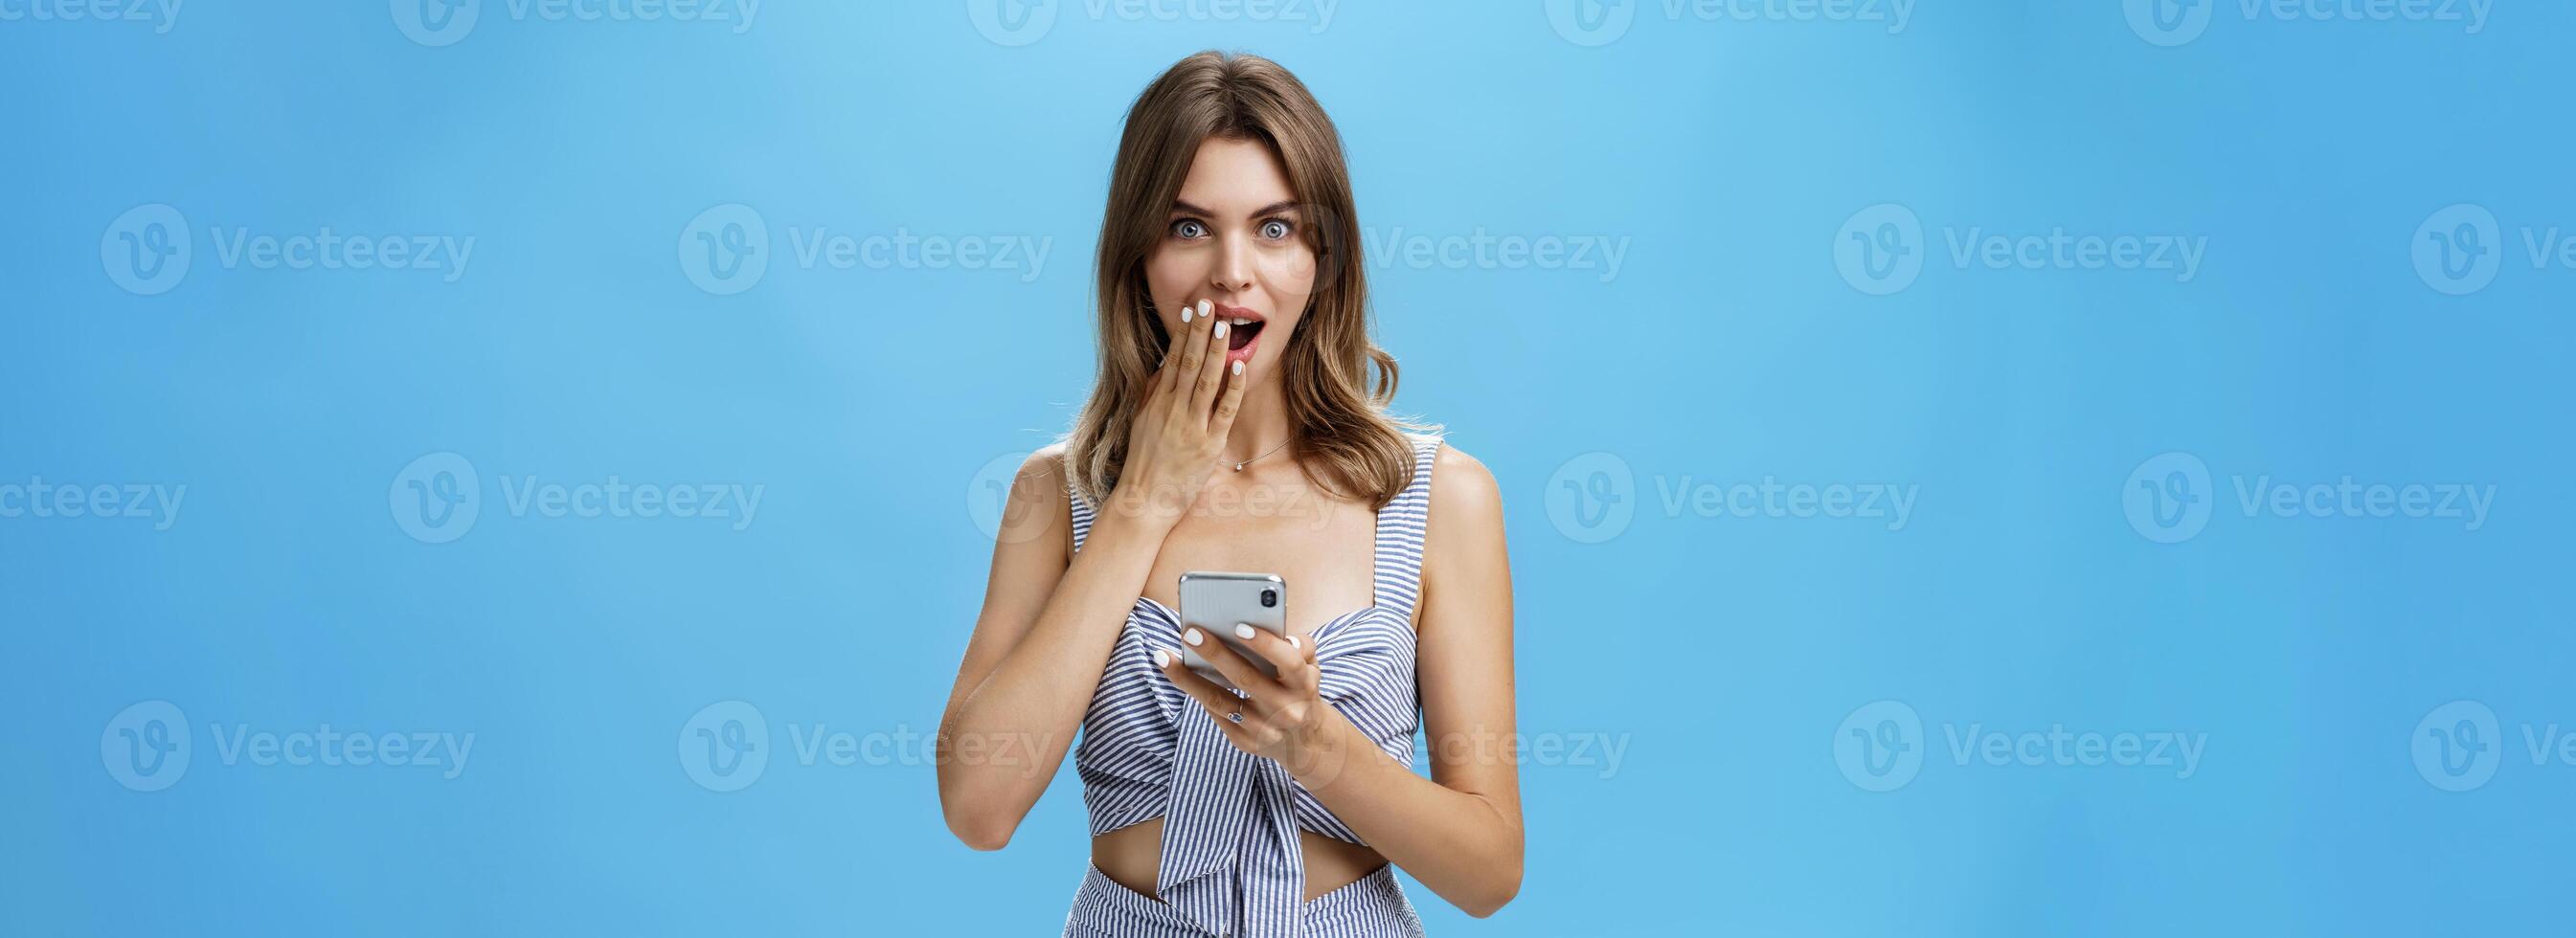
1269, 598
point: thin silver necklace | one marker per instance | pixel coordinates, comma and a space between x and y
1238, 467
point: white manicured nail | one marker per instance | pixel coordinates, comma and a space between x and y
1204, 306
1238, 366
1192, 636
1220, 328
1294, 643
1186, 313
1243, 631
1162, 659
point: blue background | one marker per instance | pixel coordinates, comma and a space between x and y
1723, 652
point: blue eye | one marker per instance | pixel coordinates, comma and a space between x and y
1189, 228
1276, 230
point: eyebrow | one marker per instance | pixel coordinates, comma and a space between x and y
1180, 207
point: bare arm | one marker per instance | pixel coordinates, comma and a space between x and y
1052, 615
1038, 650
1459, 831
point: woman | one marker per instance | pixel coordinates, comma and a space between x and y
1234, 427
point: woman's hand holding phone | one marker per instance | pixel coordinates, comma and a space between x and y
1284, 719
1190, 405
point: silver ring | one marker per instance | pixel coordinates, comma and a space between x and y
1236, 716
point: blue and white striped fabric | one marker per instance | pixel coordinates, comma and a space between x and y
1231, 863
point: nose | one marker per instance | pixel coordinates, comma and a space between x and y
1233, 272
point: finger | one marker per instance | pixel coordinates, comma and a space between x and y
1194, 341
1260, 687
1289, 655
1176, 342
1228, 404
1220, 702
1173, 338
1213, 373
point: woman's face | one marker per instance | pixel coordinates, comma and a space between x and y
1233, 239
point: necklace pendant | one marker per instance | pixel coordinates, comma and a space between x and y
1238, 467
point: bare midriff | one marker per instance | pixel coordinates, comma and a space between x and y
1131, 854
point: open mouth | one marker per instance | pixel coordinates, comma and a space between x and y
1243, 327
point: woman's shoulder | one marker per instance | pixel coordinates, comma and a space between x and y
1045, 465
1044, 478
1460, 483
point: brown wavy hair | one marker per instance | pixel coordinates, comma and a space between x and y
1347, 441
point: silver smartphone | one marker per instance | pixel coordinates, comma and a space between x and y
1216, 601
